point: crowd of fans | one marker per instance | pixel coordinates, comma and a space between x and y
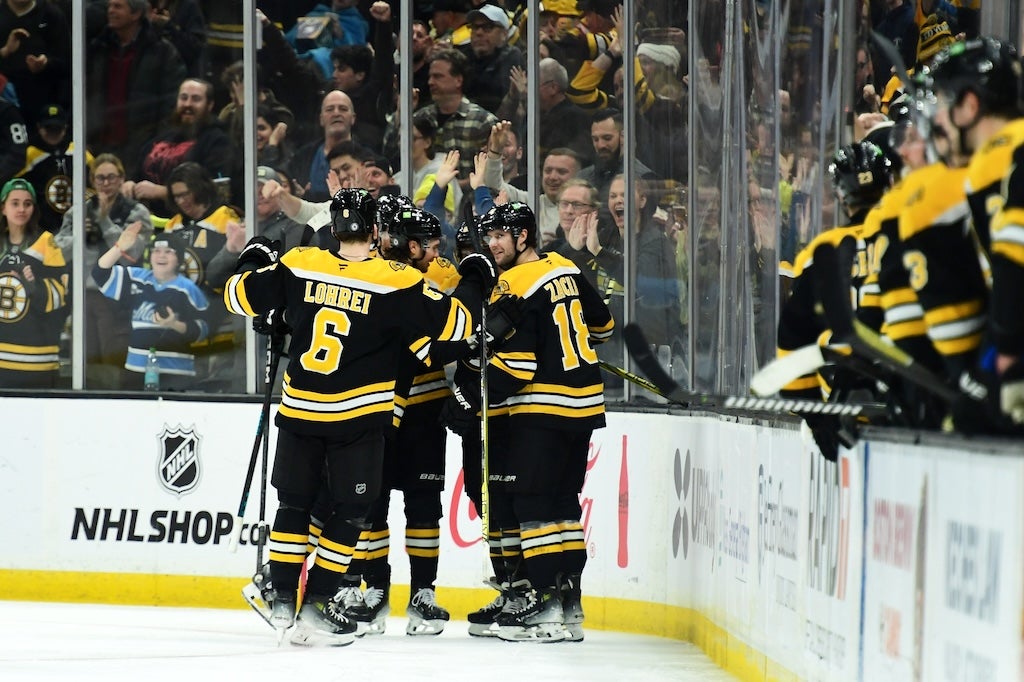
165, 119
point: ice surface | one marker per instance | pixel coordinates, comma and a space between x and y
45, 641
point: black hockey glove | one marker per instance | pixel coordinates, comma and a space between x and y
478, 268
459, 412
976, 409
503, 315
258, 253
271, 324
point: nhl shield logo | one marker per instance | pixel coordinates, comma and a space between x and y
178, 466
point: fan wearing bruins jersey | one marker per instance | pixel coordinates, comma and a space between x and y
548, 372
33, 292
202, 224
352, 317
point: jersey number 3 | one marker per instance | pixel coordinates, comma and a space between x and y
573, 334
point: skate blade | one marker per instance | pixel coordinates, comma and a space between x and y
573, 632
304, 635
482, 630
542, 633
417, 627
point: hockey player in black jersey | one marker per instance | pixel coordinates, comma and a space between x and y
352, 317
548, 372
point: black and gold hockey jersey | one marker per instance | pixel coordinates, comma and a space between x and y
204, 239
548, 370
351, 322
988, 168
31, 313
944, 263
1007, 261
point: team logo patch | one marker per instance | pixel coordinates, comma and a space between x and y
360, 488
178, 467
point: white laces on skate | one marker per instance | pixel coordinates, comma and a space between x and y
348, 596
373, 596
424, 597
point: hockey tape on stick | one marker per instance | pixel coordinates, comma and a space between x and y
781, 371
636, 342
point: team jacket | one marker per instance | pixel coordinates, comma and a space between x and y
548, 370
204, 238
944, 263
31, 314
351, 322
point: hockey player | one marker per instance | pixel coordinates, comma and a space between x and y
414, 453
352, 317
972, 88
983, 80
548, 371
861, 173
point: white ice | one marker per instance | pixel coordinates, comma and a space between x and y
80, 642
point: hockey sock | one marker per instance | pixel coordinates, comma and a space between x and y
288, 547
333, 555
423, 545
574, 548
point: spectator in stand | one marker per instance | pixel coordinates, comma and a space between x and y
297, 84
13, 140
35, 44
563, 124
132, 82
48, 165
587, 38
346, 26
232, 116
511, 158
576, 198
606, 136
181, 22
107, 214
201, 222
422, 47
309, 166
461, 124
899, 27
194, 135
449, 20
489, 57
377, 175
167, 309
272, 147
559, 165
35, 282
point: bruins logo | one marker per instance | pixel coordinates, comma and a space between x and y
397, 266
13, 298
58, 193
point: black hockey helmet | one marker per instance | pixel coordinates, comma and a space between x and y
989, 68
388, 205
413, 225
861, 173
515, 217
352, 212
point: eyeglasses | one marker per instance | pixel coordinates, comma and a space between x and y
103, 179
575, 205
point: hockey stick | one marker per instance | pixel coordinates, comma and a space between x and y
275, 347
273, 357
668, 388
485, 468
833, 266
775, 375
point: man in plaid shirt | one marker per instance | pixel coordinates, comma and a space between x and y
460, 124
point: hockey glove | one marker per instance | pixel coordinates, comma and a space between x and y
459, 412
503, 315
478, 268
271, 324
1011, 393
258, 253
829, 433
